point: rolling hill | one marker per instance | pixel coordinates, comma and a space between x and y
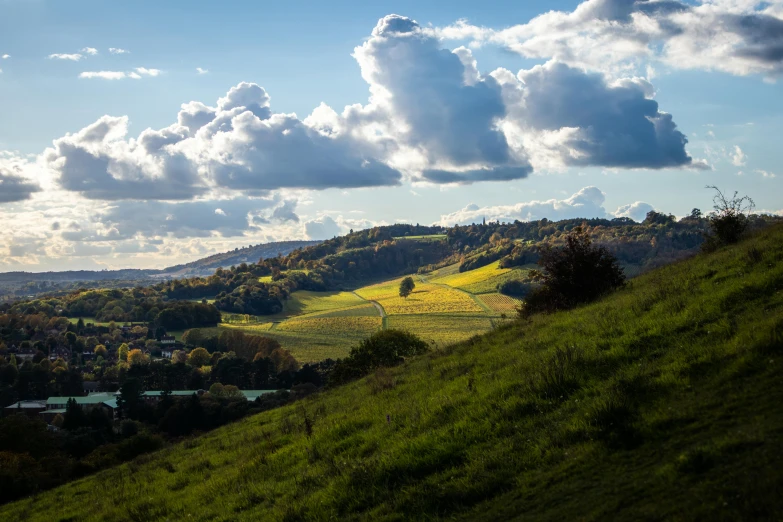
661, 401
33, 283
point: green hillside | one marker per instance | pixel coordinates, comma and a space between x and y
661, 401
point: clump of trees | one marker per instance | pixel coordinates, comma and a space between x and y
382, 349
578, 272
515, 288
406, 287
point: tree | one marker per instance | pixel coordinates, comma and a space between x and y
122, 352
100, 351
74, 417
130, 399
199, 357
576, 273
406, 287
137, 357
729, 221
382, 349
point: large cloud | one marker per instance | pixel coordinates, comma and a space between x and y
161, 219
15, 183
238, 145
437, 104
735, 36
587, 203
594, 122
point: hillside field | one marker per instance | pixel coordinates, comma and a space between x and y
659, 402
319, 325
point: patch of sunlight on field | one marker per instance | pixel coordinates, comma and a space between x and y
315, 341
426, 298
441, 330
306, 302
482, 280
353, 326
362, 310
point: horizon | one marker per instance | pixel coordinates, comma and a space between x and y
157, 141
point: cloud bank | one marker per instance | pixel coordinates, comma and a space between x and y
587, 203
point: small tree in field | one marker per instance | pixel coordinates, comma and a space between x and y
406, 287
729, 221
576, 273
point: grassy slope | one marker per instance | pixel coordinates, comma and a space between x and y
661, 401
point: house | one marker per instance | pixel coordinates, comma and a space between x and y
29, 408
57, 405
168, 339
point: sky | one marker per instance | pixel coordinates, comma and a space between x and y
145, 134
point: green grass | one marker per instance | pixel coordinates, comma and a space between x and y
91, 320
430, 237
268, 278
441, 330
660, 402
306, 302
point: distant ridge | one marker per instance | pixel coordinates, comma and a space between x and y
249, 254
201, 267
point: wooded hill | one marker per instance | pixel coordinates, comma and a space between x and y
15, 285
659, 401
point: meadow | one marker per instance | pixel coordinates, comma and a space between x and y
482, 280
658, 402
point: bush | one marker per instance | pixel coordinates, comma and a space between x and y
574, 274
382, 349
729, 221
515, 288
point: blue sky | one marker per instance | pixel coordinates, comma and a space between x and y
422, 155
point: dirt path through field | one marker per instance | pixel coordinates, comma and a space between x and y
378, 307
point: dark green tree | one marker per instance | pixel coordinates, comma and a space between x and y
576, 273
406, 287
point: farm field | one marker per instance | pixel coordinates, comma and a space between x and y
445, 307
268, 278
427, 298
91, 320
306, 302
500, 303
441, 330
482, 280
431, 237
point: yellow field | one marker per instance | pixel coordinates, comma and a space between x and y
426, 298
500, 303
484, 280
473, 276
332, 325
362, 310
441, 330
